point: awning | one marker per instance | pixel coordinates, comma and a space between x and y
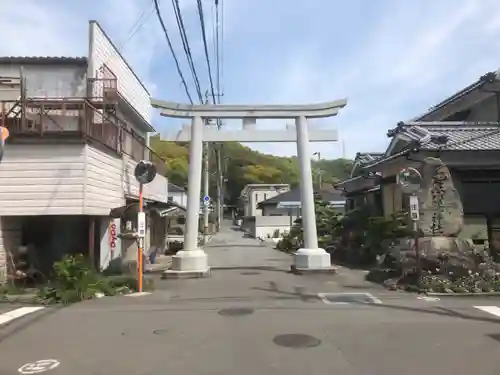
170, 211
288, 205
299, 204
130, 211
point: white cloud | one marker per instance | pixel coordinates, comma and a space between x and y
412, 56
392, 59
55, 28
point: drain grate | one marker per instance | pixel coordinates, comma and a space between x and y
296, 341
236, 311
250, 273
342, 298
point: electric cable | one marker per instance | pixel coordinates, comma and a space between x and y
165, 31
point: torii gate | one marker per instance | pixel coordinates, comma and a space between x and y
192, 261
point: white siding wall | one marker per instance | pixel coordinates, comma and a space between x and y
179, 198
68, 180
10, 239
103, 187
102, 52
51, 81
130, 125
275, 211
260, 195
156, 190
42, 180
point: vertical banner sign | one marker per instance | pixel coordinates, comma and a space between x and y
111, 245
113, 236
414, 208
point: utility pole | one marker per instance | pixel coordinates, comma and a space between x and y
220, 179
206, 191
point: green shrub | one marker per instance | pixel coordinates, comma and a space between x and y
75, 280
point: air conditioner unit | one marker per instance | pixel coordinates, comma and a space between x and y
110, 94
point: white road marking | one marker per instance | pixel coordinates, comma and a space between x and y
324, 298
493, 310
428, 298
17, 313
374, 299
137, 294
38, 366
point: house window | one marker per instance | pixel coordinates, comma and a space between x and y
265, 196
170, 199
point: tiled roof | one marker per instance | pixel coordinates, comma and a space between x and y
294, 196
42, 60
366, 157
174, 188
487, 77
462, 137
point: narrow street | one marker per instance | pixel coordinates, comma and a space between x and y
252, 316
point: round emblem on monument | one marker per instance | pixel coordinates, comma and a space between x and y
409, 179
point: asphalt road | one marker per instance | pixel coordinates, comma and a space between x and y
258, 320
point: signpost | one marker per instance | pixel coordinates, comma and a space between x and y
410, 181
144, 173
206, 200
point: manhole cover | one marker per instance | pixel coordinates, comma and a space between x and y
250, 273
296, 340
236, 311
160, 332
361, 298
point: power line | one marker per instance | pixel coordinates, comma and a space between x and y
137, 26
219, 43
187, 48
179, 71
203, 33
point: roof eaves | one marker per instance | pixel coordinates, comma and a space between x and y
43, 60
484, 79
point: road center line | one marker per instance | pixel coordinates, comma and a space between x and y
493, 310
17, 313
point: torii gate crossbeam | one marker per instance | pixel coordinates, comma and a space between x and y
192, 261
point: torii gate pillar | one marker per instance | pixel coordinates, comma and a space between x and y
192, 261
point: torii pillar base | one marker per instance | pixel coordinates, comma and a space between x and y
188, 264
312, 261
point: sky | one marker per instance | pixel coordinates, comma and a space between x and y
391, 59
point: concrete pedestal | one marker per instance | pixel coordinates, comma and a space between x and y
188, 264
312, 261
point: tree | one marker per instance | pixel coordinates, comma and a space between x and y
244, 166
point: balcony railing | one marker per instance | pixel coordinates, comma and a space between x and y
75, 118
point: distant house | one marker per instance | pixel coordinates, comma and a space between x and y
176, 194
289, 203
253, 194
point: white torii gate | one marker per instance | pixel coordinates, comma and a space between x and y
192, 261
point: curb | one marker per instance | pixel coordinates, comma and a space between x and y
469, 294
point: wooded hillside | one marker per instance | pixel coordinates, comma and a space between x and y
245, 166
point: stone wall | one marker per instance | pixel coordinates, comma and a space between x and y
441, 209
